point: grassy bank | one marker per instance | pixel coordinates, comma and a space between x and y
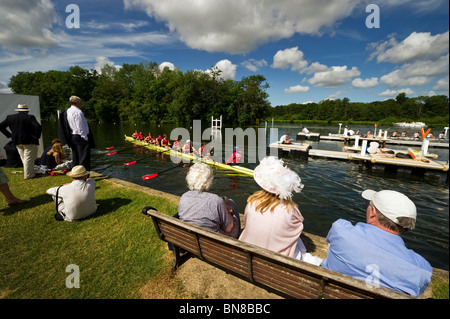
117, 251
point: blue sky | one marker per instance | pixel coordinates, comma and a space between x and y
308, 50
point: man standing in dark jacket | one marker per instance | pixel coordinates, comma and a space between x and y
25, 134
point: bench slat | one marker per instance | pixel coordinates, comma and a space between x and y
263, 267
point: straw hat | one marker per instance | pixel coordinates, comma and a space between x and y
22, 108
275, 178
78, 171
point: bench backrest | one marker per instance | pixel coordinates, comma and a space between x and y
284, 275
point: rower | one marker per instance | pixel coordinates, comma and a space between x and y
236, 157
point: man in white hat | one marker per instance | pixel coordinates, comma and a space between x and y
75, 200
25, 134
374, 251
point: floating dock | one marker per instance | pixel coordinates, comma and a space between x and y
385, 141
422, 163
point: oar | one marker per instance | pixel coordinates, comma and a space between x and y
125, 149
134, 162
147, 177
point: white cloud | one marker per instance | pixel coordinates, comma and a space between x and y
25, 25
367, 83
289, 58
388, 93
396, 79
102, 61
170, 65
442, 85
228, 69
334, 76
417, 46
4, 88
296, 89
240, 26
335, 95
421, 57
254, 65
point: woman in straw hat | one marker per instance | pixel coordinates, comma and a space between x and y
272, 219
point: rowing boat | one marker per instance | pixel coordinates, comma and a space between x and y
235, 168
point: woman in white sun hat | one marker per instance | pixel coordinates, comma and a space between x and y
272, 219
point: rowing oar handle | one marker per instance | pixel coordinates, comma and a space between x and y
147, 177
126, 149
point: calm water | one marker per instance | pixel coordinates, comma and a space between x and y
332, 187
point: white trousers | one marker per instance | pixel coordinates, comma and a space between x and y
28, 154
301, 254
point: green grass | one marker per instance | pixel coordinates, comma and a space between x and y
117, 250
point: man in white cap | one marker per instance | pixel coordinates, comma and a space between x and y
75, 200
25, 134
374, 251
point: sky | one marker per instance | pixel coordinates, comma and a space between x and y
308, 50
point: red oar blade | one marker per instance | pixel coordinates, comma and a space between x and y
147, 177
109, 148
112, 153
129, 163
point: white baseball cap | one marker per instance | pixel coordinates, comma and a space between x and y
391, 204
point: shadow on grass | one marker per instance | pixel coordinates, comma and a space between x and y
41, 199
105, 206
109, 205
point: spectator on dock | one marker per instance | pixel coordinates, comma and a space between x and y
272, 219
441, 136
374, 251
285, 139
305, 130
369, 134
202, 208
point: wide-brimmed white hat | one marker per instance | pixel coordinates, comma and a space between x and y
78, 171
276, 178
22, 108
391, 204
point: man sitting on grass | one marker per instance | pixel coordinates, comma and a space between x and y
75, 200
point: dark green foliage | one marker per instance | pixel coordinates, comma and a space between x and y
429, 109
144, 93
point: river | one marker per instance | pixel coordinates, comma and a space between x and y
332, 187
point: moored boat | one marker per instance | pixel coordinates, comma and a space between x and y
411, 125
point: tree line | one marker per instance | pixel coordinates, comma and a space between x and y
145, 93
428, 109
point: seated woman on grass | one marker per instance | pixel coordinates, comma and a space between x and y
55, 156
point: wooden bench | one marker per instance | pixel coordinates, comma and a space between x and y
283, 275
